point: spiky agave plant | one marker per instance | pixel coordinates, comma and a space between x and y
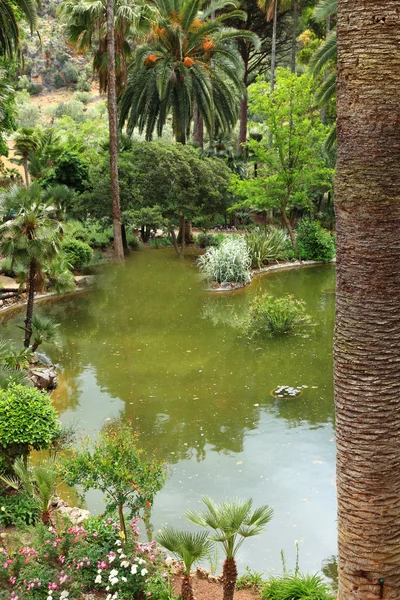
233, 521
189, 548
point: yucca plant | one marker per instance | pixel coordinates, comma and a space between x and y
38, 481
233, 521
189, 548
266, 247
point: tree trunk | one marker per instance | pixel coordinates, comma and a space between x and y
189, 239
182, 232
29, 305
122, 521
187, 589
25, 160
273, 48
198, 127
229, 577
124, 240
294, 36
113, 127
367, 338
323, 109
174, 240
243, 123
289, 227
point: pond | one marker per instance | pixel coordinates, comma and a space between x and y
152, 346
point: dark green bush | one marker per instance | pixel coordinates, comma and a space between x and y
314, 242
296, 587
77, 253
206, 240
27, 420
18, 509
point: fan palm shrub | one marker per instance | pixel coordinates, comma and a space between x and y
38, 481
189, 59
26, 141
233, 521
30, 237
189, 548
44, 329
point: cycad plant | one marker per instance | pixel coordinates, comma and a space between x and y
189, 59
30, 237
38, 481
232, 521
189, 548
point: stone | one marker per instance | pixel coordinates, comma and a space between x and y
44, 360
84, 280
44, 379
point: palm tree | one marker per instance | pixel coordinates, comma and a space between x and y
188, 60
367, 341
26, 141
233, 521
188, 548
29, 236
86, 29
44, 330
9, 23
37, 481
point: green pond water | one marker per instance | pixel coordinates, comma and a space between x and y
149, 344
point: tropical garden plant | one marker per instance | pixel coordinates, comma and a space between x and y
29, 236
266, 246
229, 262
296, 587
314, 242
187, 547
232, 521
188, 59
116, 466
271, 316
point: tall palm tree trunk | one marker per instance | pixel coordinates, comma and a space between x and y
367, 339
30, 303
113, 127
187, 589
198, 127
294, 36
273, 48
327, 30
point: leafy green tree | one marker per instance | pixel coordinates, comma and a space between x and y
290, 154
29, 236
115, 465
28, 421
232, 521
188, 548
7, 109
188, 60
71, 170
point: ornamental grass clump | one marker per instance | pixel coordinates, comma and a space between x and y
230, 262
269, 315
296, 587
266, 247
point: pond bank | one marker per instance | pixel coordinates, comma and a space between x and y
228, 286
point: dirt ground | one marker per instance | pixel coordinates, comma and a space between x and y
206, 590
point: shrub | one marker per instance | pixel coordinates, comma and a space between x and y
72, 109
208, 240
266, 247
18, 509
27, 420
83, 97
77, 253
314, 242
28, 115
70, 169
268, 315
98, 234
296, 587
230, 262
84, 85
160, 242
70, 73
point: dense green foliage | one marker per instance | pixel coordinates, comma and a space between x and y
28, 421
115, 465
314, 242
266, 247
269, 315
77, 253
296, 587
